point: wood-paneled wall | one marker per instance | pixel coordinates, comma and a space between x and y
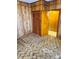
45, 5
44, 23
42, 7
24, 19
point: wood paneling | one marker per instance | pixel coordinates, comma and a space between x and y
44, 23
36, 22
39, 14
24, 21
44, 5
40, 22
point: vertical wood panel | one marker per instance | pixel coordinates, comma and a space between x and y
44, 23
25, 25
36, 22
20, 27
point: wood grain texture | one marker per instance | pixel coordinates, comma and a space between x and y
24, 14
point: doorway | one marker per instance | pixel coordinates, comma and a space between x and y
53, 19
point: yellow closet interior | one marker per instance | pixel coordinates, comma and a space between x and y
53, 17
49, 22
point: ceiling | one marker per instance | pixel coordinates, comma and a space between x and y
30, 1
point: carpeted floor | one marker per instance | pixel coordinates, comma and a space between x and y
32, 46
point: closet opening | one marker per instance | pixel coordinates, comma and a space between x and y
53, 21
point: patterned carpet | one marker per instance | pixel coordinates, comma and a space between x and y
32, 46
